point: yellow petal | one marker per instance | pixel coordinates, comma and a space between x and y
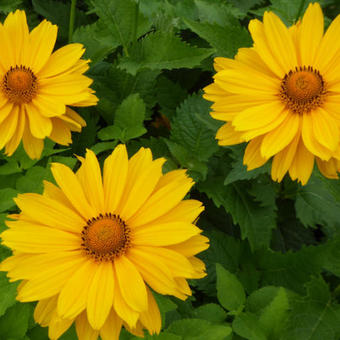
252, 155
228, 136
60, 133
58, 326
111, 328
151, 319
42, 40
33, 146
34, 238
280, 42
162, 200
131, 284
283, 160
311, 32
163, 234
100, 298
276, 140
73, 296
114, 177
84, 329
8, 126
44, 310
69, 184
50, 212
40, 126
62, 59
302, 165
191, 247
14, 142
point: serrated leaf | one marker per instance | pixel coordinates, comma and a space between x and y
6, 201
33, 179
239, 170
256, 221
224, 39
162, 50
198, 329
247, 326
7, 6
96, 39
122, 19
230, 292
314, 316
129, 117
315, 204
271, 305
191, 132
211, 312
58, 13
14, 324
8, 292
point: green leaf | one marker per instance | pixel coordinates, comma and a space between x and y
198, 329
224, 39
247, 326
129, 117
122, 19
162, 50
58, 13
230, 292
239, 170
8, 292
104, 146
96, 39
14, 324
315, 204
272, 305
211, 312
110, 132
7, 6
314, 316
10, 167
190, 131
6, 201
33, 180
256, 221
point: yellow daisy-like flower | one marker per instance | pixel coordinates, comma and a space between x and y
36, 86
282, 96
87, 249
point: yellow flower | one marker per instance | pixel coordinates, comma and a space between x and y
282, 96
87, 249
36, 86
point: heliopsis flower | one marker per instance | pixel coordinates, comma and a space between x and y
282, 95
37, 86
90, 248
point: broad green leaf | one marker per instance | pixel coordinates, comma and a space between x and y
32, 181
314, 316
14, 324
6, 201
104, 146
163, 50
96, 39
129, 117
198, 329
317, 205
271, 304
7, 6
191, 132
230, 292
58, 13
8, 292
122, 19
225, 40
247, 326
239, 170
211, 312
10, 167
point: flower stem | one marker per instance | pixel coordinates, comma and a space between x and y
72, 17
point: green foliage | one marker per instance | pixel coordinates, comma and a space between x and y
230, 292
273, 268
162, 50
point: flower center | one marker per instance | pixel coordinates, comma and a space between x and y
105, 237
302, 90
19, 85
